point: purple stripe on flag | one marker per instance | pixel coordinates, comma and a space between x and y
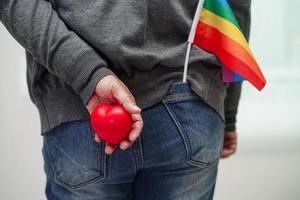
229, 76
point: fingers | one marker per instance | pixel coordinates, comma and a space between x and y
230, 144
227, 152
93, 102
137, 127
131, 108
109, 148
136, 130
97, 139
125, 144
125, 98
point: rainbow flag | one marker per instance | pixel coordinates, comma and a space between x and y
216, 30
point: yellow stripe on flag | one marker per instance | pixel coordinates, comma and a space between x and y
226, 27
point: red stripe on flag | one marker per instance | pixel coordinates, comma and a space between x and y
230, 53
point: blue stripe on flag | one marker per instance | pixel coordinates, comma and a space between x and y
237, 78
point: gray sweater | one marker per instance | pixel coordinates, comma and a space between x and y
72, 44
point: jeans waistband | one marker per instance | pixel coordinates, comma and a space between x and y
180, 87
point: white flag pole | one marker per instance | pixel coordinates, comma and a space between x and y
191, 38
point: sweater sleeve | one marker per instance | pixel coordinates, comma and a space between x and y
39, 29
231, 105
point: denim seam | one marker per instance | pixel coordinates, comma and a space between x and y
104, 160
142, 152
78, 186
134, 159
186, 140
137, 153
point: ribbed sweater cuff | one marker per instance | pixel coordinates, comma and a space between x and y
89, 89
230, 124
85, 72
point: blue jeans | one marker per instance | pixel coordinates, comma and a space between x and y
175, 158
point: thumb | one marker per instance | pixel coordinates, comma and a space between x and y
124, 97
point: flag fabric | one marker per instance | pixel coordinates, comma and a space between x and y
215, 29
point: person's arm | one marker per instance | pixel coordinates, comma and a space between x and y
231, 107
39, 29
231, 103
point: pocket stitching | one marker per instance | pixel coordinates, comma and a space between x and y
185, 139
96, 179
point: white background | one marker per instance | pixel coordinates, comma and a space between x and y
267, 164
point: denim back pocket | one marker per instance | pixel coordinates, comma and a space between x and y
201, 128
75, 158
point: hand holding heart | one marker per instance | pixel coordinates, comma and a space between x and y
111, 123
111, 90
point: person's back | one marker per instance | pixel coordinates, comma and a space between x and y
133, 52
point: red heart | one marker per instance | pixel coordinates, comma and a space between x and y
111, 123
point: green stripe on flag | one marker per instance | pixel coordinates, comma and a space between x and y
221, 9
